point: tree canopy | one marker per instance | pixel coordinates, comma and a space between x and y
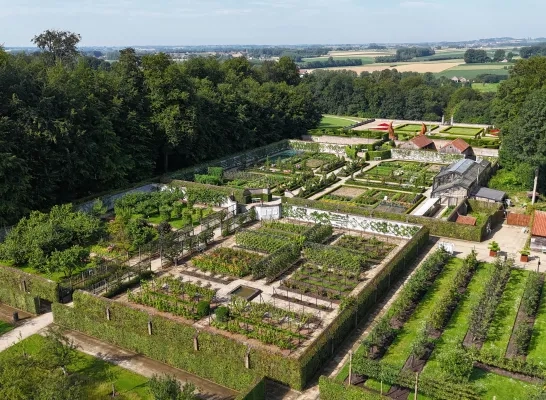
72, 129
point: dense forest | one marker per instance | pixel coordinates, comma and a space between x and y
71, 126
391, 94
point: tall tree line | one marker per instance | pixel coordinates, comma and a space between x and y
71, 126
391, 94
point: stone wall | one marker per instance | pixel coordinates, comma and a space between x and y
354, 222
424, 156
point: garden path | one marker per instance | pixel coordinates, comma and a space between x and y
342, 181
145, 366
511, 240
27, 328
332, 368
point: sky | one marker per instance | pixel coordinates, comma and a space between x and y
200, 22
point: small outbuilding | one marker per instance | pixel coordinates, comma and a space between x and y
538, 232
489, 195
419, 143
457, 146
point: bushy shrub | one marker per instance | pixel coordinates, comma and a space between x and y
203, 308
222, 314
457, 364
531, 295
522, 335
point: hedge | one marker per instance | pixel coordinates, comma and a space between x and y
219, 358
383, 154
36, 285
437, 227
20, 300
227, 191
256, 391
331, 390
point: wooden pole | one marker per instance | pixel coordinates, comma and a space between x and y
416, 385
350, 366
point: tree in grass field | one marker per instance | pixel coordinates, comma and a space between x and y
169, 388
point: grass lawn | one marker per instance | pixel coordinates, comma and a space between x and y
500, 330
461, 131
331, 121
537, 347
486, 87
500, 387
5, 327
129, 385
457, 326
413, 128
400, 349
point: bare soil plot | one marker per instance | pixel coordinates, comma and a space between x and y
349, 192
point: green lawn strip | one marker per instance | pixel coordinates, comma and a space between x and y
97, 373
457, 326
5, 327
500, 330
491, 386
537, 347
400, 349
329, 121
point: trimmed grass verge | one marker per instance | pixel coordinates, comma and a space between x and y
500, 330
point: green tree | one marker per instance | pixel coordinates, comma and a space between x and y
499, 55
68, 261
169, 388
60, 45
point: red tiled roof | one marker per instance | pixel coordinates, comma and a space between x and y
421, 141
518, 219
460, 144
466, 220
539, 225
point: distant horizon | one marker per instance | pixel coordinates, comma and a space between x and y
430, 42
121, 23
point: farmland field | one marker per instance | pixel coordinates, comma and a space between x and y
422, 67
470, 71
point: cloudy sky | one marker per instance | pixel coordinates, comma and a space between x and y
194, 22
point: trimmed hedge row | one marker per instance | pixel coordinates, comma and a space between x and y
256, 391
219, 358
332, 390
20, 300
239, 194
436, 227
36, 285
383, 154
